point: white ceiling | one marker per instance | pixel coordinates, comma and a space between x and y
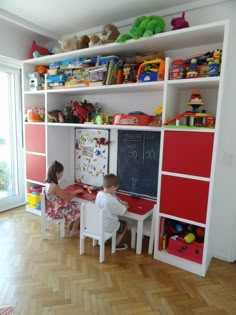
56, 18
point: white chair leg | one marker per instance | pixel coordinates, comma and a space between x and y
94, 242
102, 249
81, 245
43, 231
62, 228
133, 236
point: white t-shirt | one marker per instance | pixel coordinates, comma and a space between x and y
112, 209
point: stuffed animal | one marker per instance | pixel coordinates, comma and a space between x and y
37, 51
179, 22
73, 43
84, 42
69, 44
144, 26
108, 35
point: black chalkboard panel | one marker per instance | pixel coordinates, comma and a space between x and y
138, 162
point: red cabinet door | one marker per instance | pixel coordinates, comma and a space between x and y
35, 138
188, 152
184, 198
35, 167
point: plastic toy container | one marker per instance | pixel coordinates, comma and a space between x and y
138, 120
33, 200
178, 247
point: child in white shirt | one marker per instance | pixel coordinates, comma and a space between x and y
113, 207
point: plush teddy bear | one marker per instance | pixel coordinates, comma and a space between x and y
69, 44
73, 43
108, 35
144, 26
84, 42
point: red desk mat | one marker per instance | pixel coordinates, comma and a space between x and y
137, 205
85, 195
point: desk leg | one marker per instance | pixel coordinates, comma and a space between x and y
139, 237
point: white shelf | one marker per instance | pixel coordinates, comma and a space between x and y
172, 40
29, 181
33, 210
189, 129
110, 89
172, 217
35, 123
182, 263
201, 83
40, 92
118, 127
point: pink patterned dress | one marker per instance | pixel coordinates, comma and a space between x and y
57, 208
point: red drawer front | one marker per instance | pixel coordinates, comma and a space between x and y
35, 167
35, 138
184, 198
188, 153
181, 249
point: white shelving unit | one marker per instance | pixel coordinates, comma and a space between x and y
173, 94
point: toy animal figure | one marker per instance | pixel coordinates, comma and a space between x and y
179, 22
37, 51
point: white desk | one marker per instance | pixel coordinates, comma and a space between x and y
139, 209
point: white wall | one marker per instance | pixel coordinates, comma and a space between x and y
15, 42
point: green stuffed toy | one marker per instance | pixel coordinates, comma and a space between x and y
144, 26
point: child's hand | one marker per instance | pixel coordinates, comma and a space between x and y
125, 203
79, 191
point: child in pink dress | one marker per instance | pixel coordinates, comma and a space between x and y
59, 203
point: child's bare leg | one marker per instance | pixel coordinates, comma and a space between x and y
75, 226
120, 235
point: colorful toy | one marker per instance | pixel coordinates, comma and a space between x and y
144, 26
179, 22
37, 51
214, 63
35, 114
193, 118
153, 70
129, 73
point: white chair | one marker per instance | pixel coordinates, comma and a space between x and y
46, 220
148, 230
92, 225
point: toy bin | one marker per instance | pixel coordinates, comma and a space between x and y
33, 200
178, 247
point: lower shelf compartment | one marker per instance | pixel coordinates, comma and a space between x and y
178, 247
181, 239
33, 210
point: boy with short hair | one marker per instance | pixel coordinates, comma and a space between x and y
113, 207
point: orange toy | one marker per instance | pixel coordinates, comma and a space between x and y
152, 70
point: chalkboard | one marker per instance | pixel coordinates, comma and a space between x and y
138, 162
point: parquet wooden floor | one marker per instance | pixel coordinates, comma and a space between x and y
50, 277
